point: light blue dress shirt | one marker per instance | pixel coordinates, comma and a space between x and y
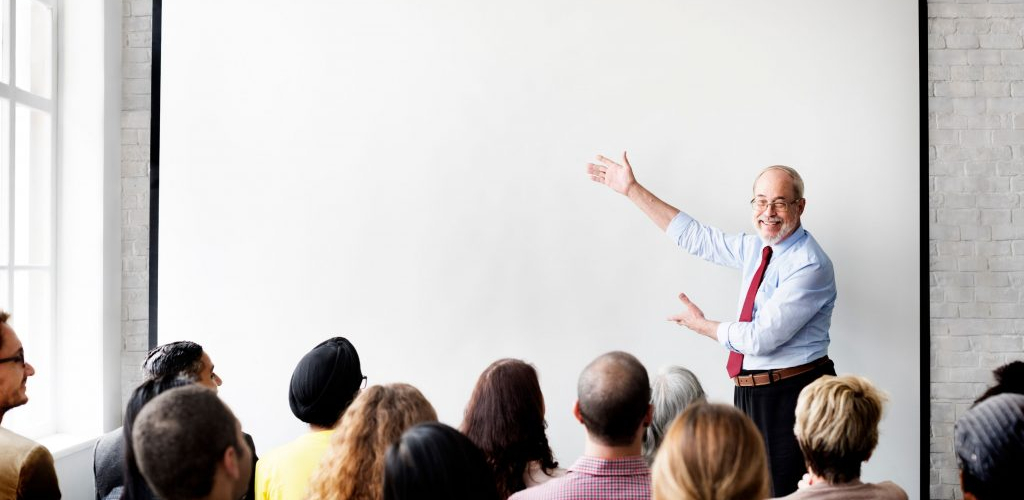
793, 306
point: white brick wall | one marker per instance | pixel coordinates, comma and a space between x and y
976, 231
136, 67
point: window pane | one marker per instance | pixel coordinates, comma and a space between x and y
34, 56
33, 187
32, 319
5, 185
5, 43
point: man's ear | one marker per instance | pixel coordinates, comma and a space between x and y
230, 462
800, 205
649, 417
576, 411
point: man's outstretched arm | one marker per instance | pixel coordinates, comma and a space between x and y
620, 178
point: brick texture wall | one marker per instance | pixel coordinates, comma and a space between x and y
136, 69
976, 232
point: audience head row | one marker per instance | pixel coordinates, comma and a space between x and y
388, 444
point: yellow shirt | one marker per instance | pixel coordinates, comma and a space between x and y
283, 474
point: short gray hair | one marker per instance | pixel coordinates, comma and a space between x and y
674, 389
798, 182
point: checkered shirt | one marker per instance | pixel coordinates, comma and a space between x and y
595, 479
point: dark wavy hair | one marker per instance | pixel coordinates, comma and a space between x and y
505, 419
1009, 379
135, 487
433, 461
174, 359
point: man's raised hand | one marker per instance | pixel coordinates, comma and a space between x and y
618, 177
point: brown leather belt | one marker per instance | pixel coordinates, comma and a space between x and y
772, 376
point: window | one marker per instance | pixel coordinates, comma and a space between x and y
28, 197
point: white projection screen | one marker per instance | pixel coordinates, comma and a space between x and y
410, 175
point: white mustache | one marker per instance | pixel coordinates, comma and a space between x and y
772, 219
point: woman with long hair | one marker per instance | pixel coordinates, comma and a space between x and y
353, 466
711, 452
505, 419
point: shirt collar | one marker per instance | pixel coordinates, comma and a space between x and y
798, 234
627, 466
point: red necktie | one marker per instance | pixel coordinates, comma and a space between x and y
747, 314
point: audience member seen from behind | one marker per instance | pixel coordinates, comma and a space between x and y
114, 465
711, 452
433, 461
181, 359
837, 430
505, 419
613, 404
323, 384
674, 389
989, 443
353, 466
27, 471
189, 445
1009, 379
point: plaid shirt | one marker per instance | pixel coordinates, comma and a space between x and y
595, 479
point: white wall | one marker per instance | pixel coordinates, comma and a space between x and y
410, 176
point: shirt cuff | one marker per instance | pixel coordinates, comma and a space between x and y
723, 335
677, 225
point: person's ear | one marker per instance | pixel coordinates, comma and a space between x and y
649, 417
800, 205
230, 462
576, 411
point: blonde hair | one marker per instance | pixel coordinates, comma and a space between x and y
837, 425
798, 182
353, 466
711, 452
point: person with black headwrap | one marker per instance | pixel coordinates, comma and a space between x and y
324, 383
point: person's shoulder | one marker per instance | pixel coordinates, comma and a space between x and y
552, 489
19, 447
892, 491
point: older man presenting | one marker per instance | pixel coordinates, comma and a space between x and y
780, 342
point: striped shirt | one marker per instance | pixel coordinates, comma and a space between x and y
595, 479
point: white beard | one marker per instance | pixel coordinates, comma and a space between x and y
786, 229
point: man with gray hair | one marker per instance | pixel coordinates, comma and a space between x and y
613, 404
189, 445
989, 442
780, 342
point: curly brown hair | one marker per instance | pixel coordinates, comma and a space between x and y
353, 466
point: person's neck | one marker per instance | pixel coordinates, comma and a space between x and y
598, 449
816, 479
317, 428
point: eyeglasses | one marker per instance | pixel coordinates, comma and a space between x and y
781, 206
18, 358
363, 384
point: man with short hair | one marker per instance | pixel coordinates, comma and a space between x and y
780, 342
184, 359
26, 467
989, 443
189, 445
613, 404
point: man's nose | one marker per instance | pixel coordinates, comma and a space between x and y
29, 370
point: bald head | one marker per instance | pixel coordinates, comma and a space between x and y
614, 396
